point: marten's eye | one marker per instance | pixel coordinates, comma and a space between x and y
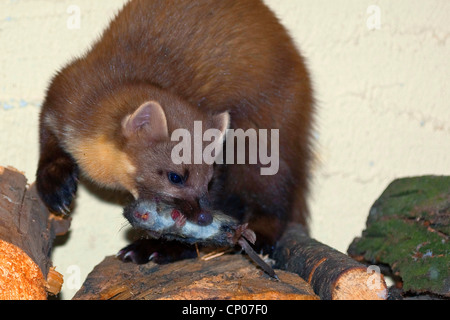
175, 178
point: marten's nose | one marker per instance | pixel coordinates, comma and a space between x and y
196, 210
204, 218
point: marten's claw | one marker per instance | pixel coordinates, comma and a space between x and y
144, 250
57, 185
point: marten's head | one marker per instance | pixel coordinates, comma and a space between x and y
172, 162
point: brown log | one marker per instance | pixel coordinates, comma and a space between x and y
332, 274
27, 231
224, 278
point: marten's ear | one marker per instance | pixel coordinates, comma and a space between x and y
219, 126
148, 121
222, 122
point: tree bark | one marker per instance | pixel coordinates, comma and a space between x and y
27, 231
332, 274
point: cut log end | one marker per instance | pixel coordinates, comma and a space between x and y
332, 274
26, 237
20, 277
357, 284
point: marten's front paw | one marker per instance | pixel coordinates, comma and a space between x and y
57, 184
145, 250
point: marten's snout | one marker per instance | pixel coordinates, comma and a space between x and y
205, 218
197, 210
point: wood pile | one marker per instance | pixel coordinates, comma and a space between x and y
306, 268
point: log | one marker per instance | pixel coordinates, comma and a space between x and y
228, 277
27, 231
332, 274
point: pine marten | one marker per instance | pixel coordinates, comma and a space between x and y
162, 65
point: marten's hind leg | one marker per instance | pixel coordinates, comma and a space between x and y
57, 174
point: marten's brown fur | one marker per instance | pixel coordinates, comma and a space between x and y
161, 65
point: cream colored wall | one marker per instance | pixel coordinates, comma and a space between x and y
382, 96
